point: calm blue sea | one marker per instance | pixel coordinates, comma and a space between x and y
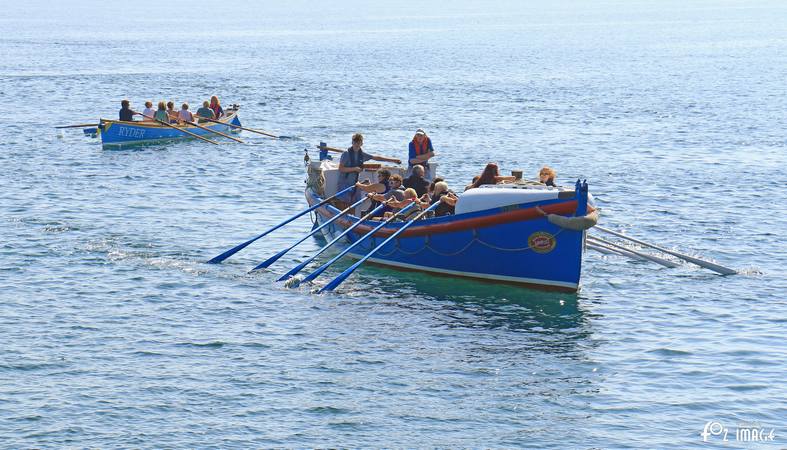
115, 334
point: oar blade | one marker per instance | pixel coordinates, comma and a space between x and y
230, 252
340, 279
271, 260
240, 247
295, 270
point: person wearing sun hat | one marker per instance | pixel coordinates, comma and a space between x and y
421, 151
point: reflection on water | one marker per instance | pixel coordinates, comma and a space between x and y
556, 320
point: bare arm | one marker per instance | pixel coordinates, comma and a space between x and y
449, 200
422, 158
374, 188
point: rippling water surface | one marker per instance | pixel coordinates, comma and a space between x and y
114, 333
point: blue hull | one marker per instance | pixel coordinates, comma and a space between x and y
514, 244
115, 132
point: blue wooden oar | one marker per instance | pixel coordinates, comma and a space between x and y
322, 268
275, 257
343, 276
240, 247
300, 266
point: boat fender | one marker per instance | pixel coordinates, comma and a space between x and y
574, 223
316, 179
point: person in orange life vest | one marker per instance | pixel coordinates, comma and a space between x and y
420, 151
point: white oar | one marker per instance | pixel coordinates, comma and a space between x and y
601, 248
700, 262
655, 259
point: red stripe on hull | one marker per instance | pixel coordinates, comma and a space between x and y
565, 208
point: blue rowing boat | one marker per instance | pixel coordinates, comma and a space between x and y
120, 133
497, 234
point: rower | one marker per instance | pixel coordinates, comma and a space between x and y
173, 115
161, 114
126, 114
382, 186
417, 181
147, 113
206, 112
185, 115
215, 106
547, 176
351, 164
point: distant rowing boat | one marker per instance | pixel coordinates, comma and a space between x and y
119, 133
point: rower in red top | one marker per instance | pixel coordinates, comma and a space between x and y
420, 152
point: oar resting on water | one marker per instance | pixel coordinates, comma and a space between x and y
194, 123
82, 125
288, 276
358, 242
240, 247
264, 133
630, 252
343, 276
275, 257
700, 262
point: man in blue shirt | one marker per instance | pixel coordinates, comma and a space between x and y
350, 165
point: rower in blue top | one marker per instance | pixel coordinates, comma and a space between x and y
350, 165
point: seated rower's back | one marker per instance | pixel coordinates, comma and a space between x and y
161, 113
185, 115
147, 113
126, 114
206, 112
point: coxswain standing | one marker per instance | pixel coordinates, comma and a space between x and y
420, 152
350, 165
